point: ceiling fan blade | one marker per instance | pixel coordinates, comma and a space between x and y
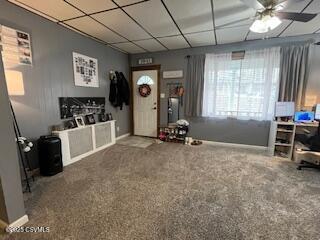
255, 4
233, 22
300, 17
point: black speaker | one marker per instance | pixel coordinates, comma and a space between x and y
50, 156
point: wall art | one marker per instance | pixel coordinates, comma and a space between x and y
85, 70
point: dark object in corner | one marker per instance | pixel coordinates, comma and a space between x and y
119, 91
50, 156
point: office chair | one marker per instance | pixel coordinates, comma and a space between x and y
308, 153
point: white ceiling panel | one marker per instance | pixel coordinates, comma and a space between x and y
118, 21
174, 42
151, 45
91, 27
292, 6
194, 18
305, 28
93, 5
230, 35
153, 17
191, 17
129, 47
73, 29
126, 2
57, 9
201, 39
227, 11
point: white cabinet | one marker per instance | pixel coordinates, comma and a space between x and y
80, 142
281, 139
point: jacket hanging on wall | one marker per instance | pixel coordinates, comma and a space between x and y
119, 91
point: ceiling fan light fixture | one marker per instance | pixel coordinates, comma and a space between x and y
273, 22
259, 26
265, 24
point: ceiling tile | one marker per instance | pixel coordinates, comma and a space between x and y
57, 9
91, 27
201, 39
153, 16
228, 11
151, 45
292, 6
129, 47
126, 2
174, 42
299, 28
191, 16
230, 35
73, 29
92, 5
122, 24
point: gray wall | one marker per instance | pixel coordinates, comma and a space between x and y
232, 131
3, 209
51, 75
11, 199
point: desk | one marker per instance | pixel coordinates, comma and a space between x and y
313, 124
282, 136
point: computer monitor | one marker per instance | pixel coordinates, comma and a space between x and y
284, 109
304, 117
317, 112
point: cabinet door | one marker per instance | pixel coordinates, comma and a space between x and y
102, 134
80, 141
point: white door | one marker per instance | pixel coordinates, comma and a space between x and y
145, 108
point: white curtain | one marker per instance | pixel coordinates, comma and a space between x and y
241, 88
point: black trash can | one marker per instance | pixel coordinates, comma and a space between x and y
50, 156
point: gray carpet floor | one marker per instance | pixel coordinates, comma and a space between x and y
172, 191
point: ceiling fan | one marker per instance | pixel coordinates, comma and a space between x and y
269, 15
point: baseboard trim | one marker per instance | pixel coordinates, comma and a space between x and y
123, 136
236, 145
18, 223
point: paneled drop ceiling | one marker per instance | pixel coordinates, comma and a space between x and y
136, 26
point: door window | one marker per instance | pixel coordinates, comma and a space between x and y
145, 80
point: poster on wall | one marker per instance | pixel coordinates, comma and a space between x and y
85, 70
16, 46
74, 106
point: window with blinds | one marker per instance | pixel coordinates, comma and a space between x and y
243, 88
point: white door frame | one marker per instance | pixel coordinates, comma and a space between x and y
144, 68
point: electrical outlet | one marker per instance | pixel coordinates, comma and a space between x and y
118, 128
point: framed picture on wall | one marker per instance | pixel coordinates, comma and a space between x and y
16, 46
85, 70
